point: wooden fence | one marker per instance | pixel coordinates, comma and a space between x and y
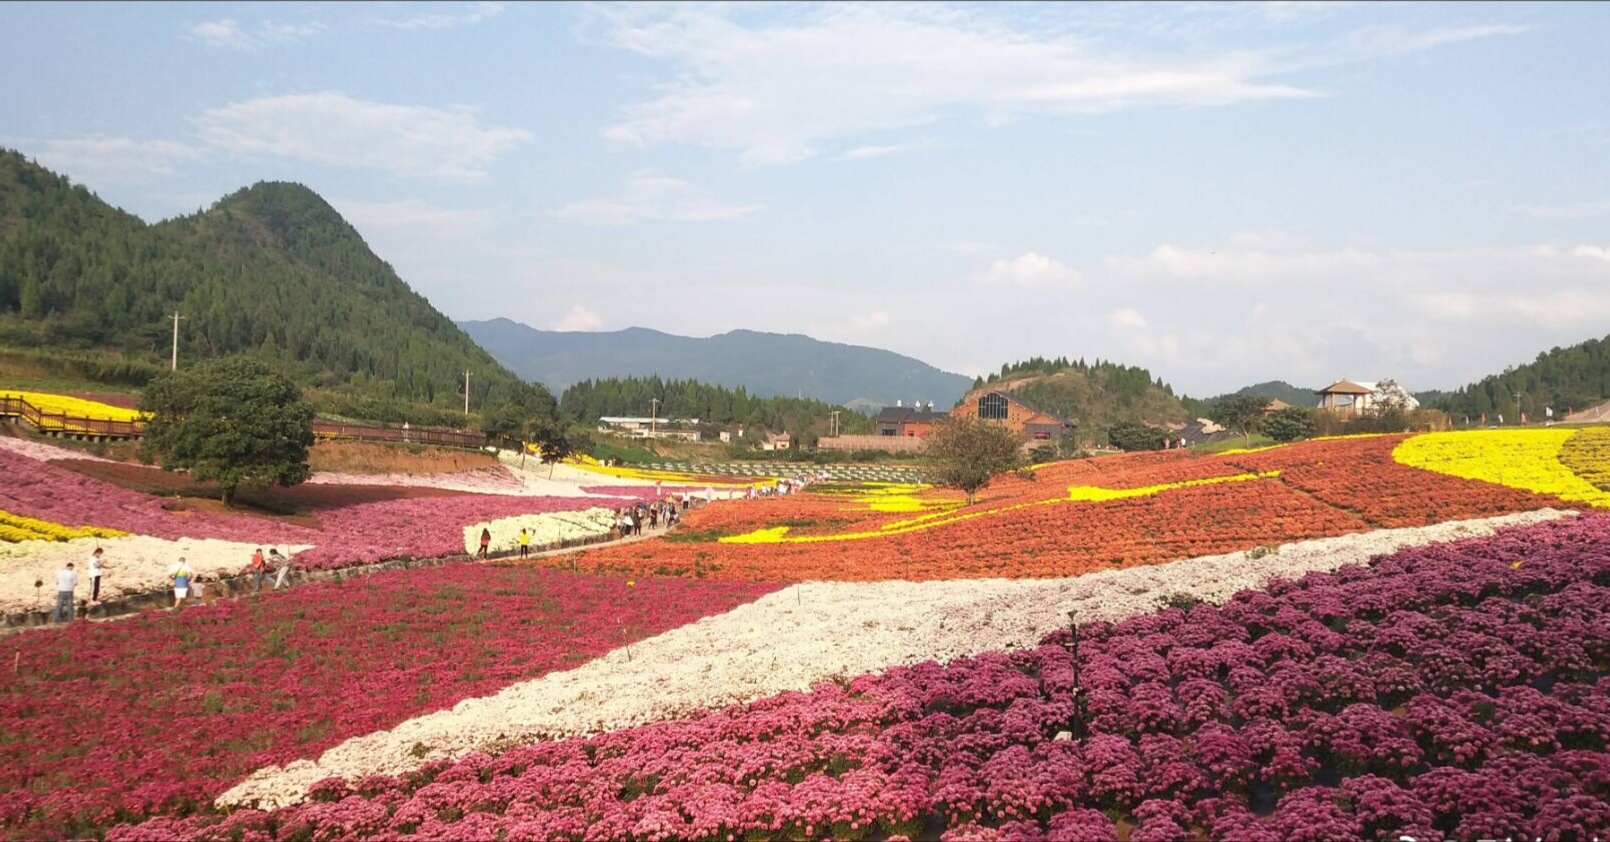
62, 424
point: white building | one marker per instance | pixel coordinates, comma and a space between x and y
650, 428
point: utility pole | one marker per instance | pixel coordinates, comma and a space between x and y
1518, 396
653, 411
833, 423
466, 392
173, 364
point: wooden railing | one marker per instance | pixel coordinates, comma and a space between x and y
61, 422
413, 435
57, 423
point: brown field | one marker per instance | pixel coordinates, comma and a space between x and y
298, 504
359, 457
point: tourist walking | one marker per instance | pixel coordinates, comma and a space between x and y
66, 586
486, 541
525, 542
282, 567
95, 569
180, 573
257, 568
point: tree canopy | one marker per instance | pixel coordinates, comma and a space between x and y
1562, 379
589, 400
1133, 435
968, 454
235, 421
1241, 413
1289, 424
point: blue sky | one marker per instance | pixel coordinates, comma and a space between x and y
1224, 193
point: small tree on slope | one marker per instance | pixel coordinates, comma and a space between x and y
970, 453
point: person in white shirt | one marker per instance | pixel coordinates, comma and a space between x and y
66, 584
95, 570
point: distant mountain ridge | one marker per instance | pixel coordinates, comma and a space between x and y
766, 364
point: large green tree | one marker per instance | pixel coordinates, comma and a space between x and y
1289, 424
234, 420
1242, 413
969, 453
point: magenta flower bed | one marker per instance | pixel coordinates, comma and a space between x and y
159, 713
423, 527
1450, 692
39, 490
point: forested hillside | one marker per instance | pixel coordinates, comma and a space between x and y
1561, 379
588, 400
1095, 395
271, 270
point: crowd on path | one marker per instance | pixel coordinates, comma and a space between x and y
187, 583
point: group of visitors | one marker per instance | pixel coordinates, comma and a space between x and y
666, 511
187, 582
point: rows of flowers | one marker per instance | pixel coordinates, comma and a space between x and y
1446, 692
541, 529
1055, 539
353, 534
159, 713
1587, 454
16, 528
807, 633
1527, 459
1364, 476
80, 407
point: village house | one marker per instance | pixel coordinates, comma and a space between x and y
650, 428
908, 421
1005, 408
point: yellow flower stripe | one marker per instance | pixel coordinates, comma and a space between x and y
46, 402
1525, 459
1238, 451
1077, 493
1587, 454
16, 529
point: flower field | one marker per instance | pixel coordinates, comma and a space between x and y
107, 722
1358, 638
1450, 691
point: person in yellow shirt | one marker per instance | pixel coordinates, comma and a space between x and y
525, 543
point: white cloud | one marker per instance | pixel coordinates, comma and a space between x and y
1577, 210
1597, 252
1030, 270
579, 318
874, 319
1126, 319
775, 92
333, 128
1396, 41
475, 13
413, 215
646, 196
863, 153
228, 34
972, 248
114, 160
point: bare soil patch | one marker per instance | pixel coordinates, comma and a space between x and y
298, 504
361, 457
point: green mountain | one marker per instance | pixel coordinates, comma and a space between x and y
765, 364
270, 270
1562, 379
1280, 390
1094, 396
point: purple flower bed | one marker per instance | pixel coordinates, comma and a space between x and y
1450, 692
38, 490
